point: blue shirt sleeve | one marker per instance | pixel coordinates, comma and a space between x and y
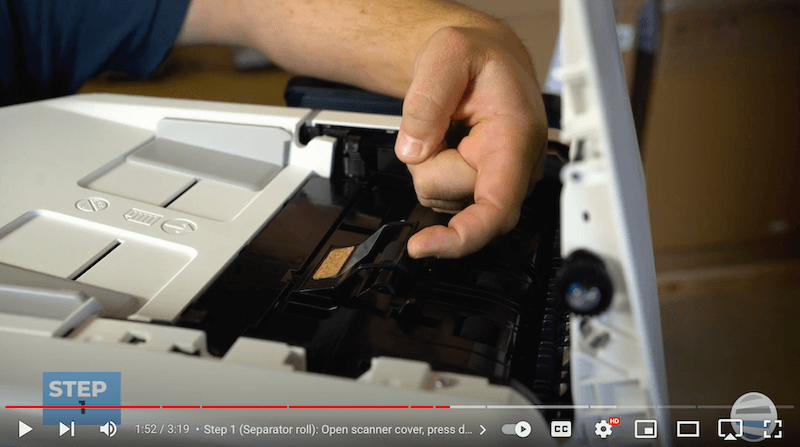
51, 47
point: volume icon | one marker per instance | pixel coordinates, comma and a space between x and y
109, 429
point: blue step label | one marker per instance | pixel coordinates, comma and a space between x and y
81, 389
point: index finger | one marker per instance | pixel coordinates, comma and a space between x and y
440, 79
504, 167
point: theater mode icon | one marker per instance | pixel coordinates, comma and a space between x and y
687, 429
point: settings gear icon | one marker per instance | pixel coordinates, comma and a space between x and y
602, 429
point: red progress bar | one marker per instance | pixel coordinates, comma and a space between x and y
244, 406
307, 407
365, 407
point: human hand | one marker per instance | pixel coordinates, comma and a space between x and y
487, 80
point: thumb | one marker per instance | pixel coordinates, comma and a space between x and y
435, 92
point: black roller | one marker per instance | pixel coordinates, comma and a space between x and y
584, 283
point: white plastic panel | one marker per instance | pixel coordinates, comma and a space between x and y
141, 182
54, 149
146, 113
617, 356
214, 200
363, 120
316, 156
101, 256
400, 373
205, 163
137, 267
43, 312
142, 336
266, 354
216, 243
39, 302
114, 304
267, 144
52, 245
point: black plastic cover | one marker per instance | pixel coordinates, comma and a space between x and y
491, 314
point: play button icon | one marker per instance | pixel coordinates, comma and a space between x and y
522, 429
24, 428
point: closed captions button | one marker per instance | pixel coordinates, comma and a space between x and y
561, 429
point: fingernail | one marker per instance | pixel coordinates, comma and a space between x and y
410, 147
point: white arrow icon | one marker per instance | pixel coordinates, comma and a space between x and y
483, 429
522, 429
178, 226
24, 429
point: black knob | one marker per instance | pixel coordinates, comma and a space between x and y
584, 284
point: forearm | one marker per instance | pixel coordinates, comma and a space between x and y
372, 44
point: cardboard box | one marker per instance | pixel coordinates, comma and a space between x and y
535, 22
721, 139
